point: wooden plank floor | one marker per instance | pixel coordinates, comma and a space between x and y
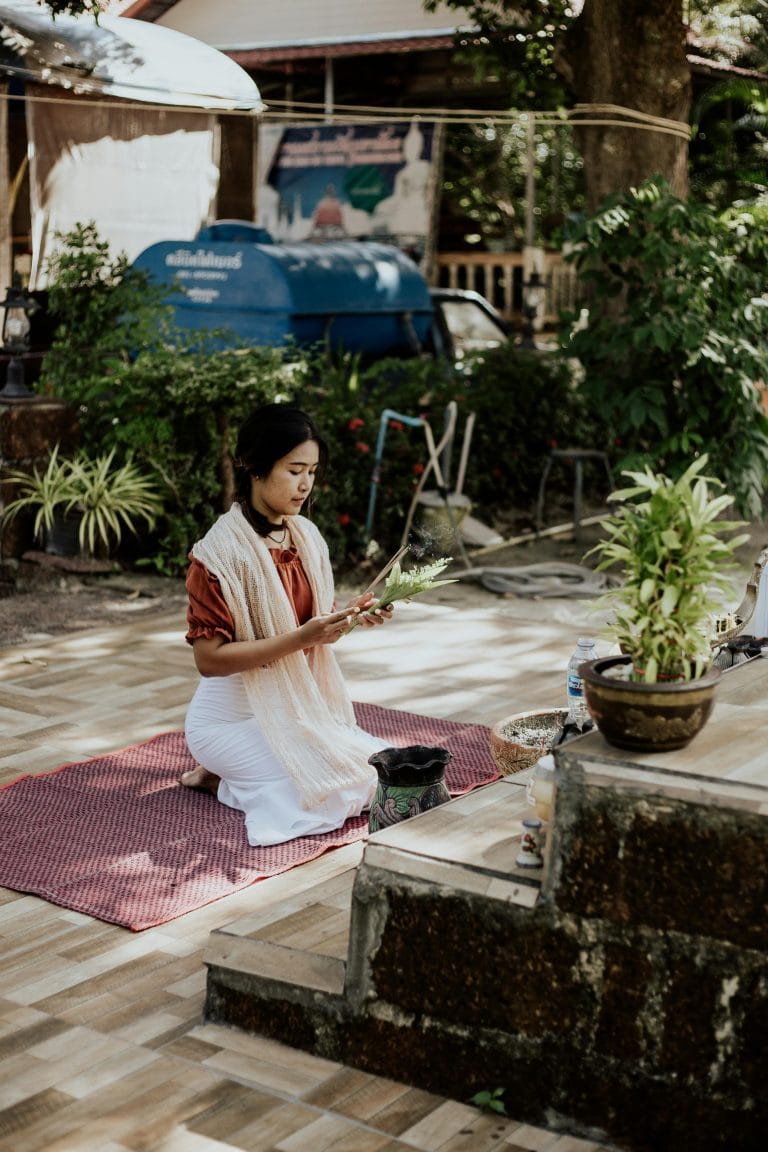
102, 1045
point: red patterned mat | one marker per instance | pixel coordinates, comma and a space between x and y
118, 838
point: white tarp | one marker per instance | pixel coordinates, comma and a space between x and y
128, 58
141, 175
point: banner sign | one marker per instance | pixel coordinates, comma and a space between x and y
350, 182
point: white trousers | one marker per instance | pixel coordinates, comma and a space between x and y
225, 738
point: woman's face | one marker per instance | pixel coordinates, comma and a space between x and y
284, 490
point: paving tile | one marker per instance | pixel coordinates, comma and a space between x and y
115, 1017
262, 1134
15, 1118
444, 1121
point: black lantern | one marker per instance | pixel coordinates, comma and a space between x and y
18, 308
533, 294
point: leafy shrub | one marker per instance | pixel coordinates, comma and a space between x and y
526, 403
103, 308
173, 401
348, 402
675, 350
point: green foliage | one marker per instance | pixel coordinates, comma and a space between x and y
668, 539
106, 497
177, 407
526, 404
103, 308
110, 497
484, 179
516, 42
490, 1101
729, 149
77, 7
167, 398
676, 343
348, 401
45, 492
401, 585
173, 403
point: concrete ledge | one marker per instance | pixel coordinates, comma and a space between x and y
274, 963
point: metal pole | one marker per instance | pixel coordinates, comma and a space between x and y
530, 185
329, 93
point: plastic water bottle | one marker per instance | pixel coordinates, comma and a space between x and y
577, 706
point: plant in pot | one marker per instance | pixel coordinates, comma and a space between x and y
45, 492
675, 551
84, 503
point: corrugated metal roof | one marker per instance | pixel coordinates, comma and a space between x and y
247, 57
245, 25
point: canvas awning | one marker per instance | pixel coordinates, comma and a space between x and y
118, 57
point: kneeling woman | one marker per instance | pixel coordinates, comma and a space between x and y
271, 723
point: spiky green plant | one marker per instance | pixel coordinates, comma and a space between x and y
108, 498
111, 498
45, 491
669, 540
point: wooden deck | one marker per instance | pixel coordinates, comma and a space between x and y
102, 1044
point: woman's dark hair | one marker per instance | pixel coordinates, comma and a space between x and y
268, 434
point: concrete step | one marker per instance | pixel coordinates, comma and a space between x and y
310, 953
291, 949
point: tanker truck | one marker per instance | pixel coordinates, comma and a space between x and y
363, 297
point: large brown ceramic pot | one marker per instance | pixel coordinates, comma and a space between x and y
647, 717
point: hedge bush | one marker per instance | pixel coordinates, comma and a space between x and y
173, 401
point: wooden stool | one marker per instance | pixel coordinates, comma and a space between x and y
575, 456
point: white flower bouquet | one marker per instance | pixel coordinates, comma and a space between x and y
402, 585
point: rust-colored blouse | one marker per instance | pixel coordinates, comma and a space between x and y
207, 612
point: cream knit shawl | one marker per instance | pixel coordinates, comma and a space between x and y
301, 701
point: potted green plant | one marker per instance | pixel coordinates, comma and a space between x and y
675, 551
45, 492
98, 496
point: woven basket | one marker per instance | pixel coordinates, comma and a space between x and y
520, 740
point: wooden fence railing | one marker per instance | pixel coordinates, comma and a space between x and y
499, 276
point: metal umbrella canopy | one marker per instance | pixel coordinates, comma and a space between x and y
116, 56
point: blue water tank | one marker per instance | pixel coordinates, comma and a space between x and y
358, 295
238, 231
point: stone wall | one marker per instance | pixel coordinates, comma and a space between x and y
611, 1007
626, 1002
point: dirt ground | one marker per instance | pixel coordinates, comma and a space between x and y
49, 596
48, 600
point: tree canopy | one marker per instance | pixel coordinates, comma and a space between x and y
622, 71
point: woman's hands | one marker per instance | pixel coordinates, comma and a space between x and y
367, 611
361, 610
219, 657
327, 629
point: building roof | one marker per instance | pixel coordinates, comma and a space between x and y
330, 28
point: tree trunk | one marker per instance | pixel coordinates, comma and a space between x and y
629, 53
226, 471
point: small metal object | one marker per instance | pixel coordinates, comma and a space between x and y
530, 854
